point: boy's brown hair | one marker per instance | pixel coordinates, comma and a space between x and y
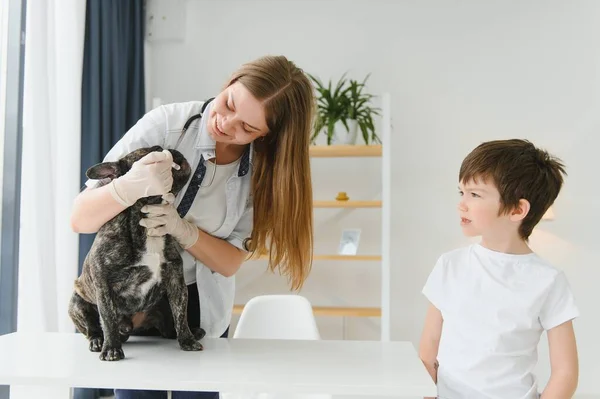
519, 170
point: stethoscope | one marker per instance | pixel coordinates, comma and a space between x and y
185, 128
182, 135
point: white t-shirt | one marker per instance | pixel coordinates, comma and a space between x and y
495, 307
209, 209
211, 196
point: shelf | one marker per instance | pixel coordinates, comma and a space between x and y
333, 311
341, 257
348, 257
347, 204
321, 151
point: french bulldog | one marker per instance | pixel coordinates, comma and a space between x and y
127, 272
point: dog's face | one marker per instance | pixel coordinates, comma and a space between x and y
112, 170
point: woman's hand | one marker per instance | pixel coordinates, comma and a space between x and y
148, 176
164, 219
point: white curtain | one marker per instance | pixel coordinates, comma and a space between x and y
48, 255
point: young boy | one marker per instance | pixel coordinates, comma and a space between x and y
491, 301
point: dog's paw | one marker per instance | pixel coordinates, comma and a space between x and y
190, 345
96, 344
198, 333
125, 327
112, 354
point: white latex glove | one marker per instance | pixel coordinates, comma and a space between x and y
164, 219
150, 175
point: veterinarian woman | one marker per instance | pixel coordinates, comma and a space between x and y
251, 189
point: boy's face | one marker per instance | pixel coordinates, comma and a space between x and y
478, 209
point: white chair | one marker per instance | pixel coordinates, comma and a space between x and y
276, 317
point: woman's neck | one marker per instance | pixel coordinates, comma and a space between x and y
228, 153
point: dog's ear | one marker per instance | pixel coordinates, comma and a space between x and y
103, 170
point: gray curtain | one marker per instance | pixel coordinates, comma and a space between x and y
113, 93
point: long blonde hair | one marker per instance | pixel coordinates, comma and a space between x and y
281, 181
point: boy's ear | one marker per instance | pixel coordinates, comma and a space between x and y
103, 170
520, 211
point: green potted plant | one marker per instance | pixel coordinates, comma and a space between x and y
343, 110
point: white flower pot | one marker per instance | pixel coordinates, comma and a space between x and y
342, 136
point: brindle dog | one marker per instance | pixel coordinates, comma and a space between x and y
127, 272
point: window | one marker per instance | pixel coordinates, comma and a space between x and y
12, 25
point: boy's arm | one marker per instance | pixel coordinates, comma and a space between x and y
564, 362
430, 340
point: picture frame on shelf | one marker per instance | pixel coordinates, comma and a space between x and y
349, 242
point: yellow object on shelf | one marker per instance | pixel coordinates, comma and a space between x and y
342, 196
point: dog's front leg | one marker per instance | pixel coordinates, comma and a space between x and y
178, 298
111, 348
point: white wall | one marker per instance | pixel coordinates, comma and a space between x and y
459, 73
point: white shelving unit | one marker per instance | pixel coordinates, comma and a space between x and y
383, 151
386, 215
